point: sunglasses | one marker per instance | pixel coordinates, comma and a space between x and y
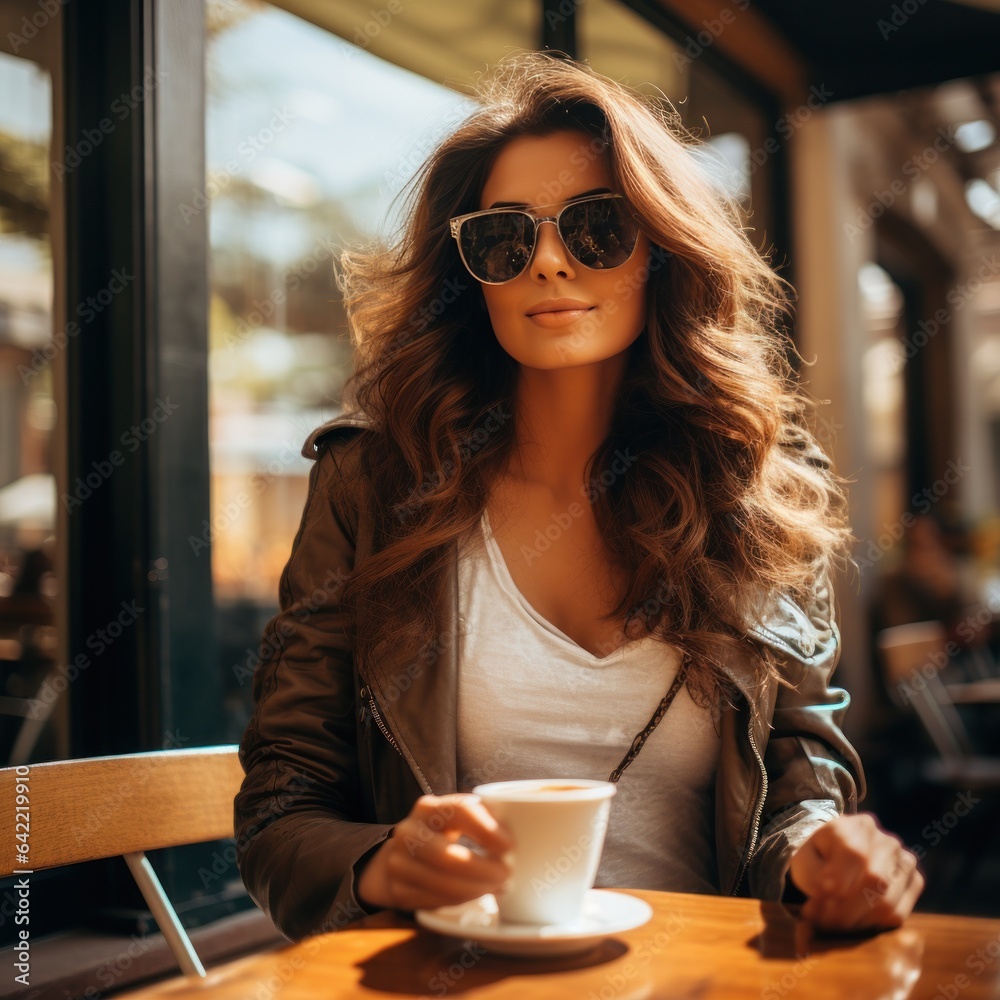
496, 245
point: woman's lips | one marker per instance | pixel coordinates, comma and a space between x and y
556, 315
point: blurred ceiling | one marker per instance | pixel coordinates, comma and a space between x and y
863, 47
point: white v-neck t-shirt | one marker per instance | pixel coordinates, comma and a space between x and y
532, 703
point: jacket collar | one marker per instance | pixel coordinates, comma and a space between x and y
356, 418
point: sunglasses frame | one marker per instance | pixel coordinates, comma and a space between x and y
455, 225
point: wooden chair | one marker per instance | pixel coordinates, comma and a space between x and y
83, 810
35, 713
912, 657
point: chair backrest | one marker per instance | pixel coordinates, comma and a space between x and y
912, 655
907, 649
82, 810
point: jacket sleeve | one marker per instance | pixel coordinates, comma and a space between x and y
814, 773
300, 835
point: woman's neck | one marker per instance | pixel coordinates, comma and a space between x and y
561, 416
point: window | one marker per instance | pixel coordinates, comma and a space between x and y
29, 361
304, 156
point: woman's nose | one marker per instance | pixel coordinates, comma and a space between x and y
551, 259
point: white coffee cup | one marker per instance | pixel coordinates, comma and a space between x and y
558, 827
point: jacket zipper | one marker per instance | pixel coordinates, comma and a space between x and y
378, 720
367, 693
754, 829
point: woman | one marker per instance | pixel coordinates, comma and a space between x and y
575, 474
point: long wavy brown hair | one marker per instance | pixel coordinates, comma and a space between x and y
730, 500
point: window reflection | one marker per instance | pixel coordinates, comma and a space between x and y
28, 411
310, 139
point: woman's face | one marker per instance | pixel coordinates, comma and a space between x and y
559, 313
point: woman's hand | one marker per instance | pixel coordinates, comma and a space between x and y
422, 866
856, 876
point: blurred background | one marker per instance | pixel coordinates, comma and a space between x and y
175, 184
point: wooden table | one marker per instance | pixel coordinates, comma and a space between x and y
694, 947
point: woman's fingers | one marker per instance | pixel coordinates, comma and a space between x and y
459, 814
869, 859
856, 876
889, 908
870, 913
441, 854
450, 884
869, 899
427, 867
901, 878
909, 898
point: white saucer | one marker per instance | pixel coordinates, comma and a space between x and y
604, 912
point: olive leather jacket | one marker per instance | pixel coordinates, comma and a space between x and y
337, 751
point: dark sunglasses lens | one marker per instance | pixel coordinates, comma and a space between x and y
497, 247
600, 234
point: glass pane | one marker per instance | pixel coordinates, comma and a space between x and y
28, 411
309, 139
